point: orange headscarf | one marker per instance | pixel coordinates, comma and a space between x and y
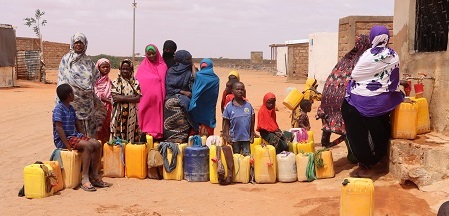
266, 119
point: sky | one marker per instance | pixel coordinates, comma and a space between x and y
206, 28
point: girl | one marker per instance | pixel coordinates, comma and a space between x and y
268, 127
103, 91
126, 95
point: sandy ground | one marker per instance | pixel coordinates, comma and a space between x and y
26, 131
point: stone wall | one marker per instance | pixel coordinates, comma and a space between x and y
53, 51
351, 26
298, 61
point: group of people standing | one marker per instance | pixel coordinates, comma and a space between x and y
170, 99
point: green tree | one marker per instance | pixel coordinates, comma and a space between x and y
36, 22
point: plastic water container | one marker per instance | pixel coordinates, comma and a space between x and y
213, 164
293, 148
286, 164
257, 141
302, 160
300, 136
405, 121
178, 172
265, 164
136, 160
196, 161
150, 142
56, 167
357, 197
34, 181
114, 160
241, 168
71, 173
305, 147
326, 171
293, 98
423, 124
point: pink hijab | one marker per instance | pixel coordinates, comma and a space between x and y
103, 84
151, 76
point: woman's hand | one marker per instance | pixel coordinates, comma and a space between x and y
118, 98
186, 93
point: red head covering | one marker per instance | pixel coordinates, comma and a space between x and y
266, 119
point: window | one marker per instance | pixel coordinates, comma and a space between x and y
432, 20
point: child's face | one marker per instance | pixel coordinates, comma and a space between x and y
71, 96
308, 108
271, 103
228, 88
105, 68
125, 71
238, 89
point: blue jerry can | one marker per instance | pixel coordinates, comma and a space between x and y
196, 161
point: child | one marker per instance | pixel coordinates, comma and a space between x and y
233, 77
268, 127
303, 120
103, 91
238, 121
125, 95
68, 133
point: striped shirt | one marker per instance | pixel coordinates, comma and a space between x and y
67, 116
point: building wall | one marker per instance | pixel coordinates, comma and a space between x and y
53, 51
351, 26
323, 51
281, 60
435, 64
298, 61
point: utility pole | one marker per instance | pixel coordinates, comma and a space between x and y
134, 29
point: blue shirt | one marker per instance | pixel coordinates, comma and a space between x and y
240, 118
67, 116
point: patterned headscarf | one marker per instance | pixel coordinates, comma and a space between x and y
379, 37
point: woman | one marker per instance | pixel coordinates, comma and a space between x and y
151, 76
103, 91
204, 99
78, 70
372, 93
178, 84
334, 92
310, 93
268, 127
168, 53
126, 95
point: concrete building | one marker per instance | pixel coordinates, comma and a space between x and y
323, 52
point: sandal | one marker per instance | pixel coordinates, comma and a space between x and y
90, 188
101, 184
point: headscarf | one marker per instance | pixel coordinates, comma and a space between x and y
374, 88
179, 76
104, 84
151, 77
235, 73
78, 70
266, 119
168, 52
204, 96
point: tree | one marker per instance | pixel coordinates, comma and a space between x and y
36, 23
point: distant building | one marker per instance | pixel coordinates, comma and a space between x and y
7, 55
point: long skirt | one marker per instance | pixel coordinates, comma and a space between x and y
176, 121
368, 137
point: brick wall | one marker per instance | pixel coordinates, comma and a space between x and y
298, 61
53, 51
351, 26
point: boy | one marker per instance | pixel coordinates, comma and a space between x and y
238, 121
66, 128
303, 120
